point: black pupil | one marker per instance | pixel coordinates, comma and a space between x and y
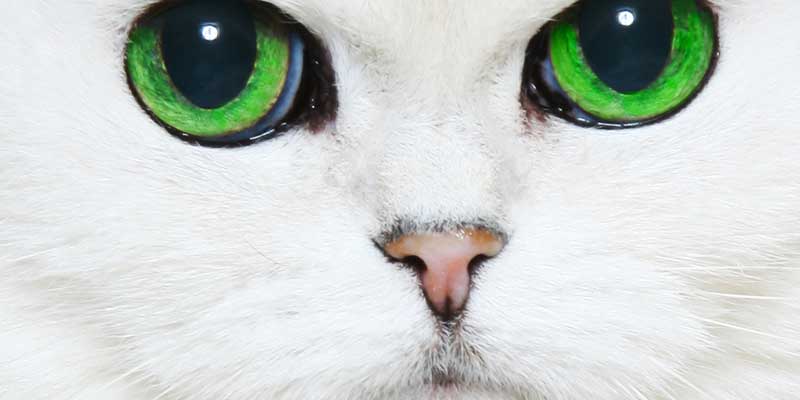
626, 42
209, 49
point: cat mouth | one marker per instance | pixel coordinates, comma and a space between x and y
446, 381
450, 357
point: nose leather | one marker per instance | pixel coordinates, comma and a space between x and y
447, 259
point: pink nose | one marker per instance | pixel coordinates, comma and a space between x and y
446, 258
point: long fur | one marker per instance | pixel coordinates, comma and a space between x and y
655, 263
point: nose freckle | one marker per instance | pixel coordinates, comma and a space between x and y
445, 262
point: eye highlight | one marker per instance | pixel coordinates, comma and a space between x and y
621, 63
219, 72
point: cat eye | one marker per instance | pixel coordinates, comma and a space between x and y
222, 72
621, 63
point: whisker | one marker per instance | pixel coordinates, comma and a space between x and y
685, 381
33, 255
746, 297
747, 330
732, 268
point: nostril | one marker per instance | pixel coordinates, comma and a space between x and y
418, 265
477, 263
415, 263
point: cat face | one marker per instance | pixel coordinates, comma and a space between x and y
655, 262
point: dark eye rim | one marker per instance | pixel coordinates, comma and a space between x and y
316, 102
538, 99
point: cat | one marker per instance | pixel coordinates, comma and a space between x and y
435, 232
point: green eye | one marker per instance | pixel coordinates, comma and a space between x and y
216, 71
622, 63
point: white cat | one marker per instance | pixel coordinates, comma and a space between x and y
660, 262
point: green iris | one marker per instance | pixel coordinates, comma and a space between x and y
690, 59
153, 83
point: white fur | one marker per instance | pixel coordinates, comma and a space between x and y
656, 263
